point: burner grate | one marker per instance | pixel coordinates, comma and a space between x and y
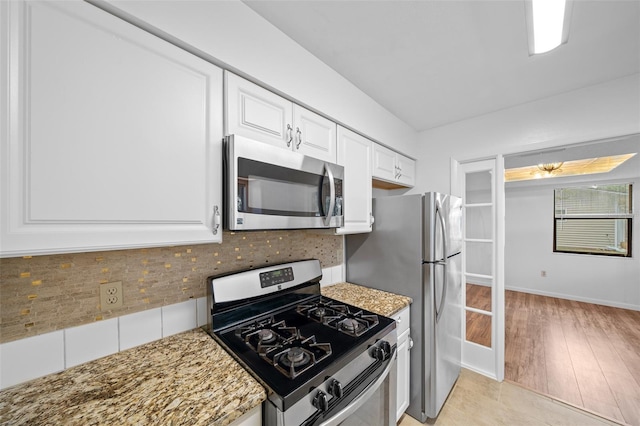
322, 311
339, 317
300, 356
265, 335
282, 346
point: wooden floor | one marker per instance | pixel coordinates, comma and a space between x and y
479, 401
587, 355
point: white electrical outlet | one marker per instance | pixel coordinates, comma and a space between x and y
111, 295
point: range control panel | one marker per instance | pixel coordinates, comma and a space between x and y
279, 276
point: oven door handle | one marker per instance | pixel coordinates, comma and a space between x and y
341, 415
332, 195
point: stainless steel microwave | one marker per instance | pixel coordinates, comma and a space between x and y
272, 188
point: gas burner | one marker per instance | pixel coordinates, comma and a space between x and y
354, 324
322, 310
319, 312
296, 357
351, 325
300, 355
266, 335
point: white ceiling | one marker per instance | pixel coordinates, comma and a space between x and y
435, 62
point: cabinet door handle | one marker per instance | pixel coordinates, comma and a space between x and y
289, 135
298, 137
216, 220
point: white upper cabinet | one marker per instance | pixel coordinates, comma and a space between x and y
354, 154
393, 168
111, 136
406, 170
314, 135
257, 113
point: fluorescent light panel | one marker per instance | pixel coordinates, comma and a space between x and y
569, 168
547, 24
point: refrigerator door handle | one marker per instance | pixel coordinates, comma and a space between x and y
443, 262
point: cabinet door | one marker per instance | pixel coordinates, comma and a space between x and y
354, 154
403, 377
115, 135
314, 135
257, 113
406, 170
384, 163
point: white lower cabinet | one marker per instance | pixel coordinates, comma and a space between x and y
113, 137
403, 351
251, 418
354, 154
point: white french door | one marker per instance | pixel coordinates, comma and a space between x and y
481, 186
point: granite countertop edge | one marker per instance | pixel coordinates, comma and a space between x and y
377, 301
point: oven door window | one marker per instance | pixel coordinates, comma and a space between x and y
269, 189
375, 412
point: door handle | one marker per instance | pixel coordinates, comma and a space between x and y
289, 135
443, 296
216, 220
298, 137
332, 195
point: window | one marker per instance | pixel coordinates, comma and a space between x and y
594, 219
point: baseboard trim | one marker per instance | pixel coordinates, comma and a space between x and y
576, 298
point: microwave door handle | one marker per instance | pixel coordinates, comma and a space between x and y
332, 195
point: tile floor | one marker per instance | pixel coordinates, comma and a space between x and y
478, 400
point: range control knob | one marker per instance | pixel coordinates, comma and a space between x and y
320, 401
335, 388
381, 351
386, 347
377, 353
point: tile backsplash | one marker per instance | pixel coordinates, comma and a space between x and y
42, 294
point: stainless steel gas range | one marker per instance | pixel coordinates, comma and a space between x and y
324, 362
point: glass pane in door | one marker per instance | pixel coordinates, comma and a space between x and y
479, 222
478, 295
479, 258
478, 187
478, 328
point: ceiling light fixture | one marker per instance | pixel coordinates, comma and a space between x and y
547, 24
584, 166
550, 167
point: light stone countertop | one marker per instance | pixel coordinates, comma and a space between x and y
185, 379
377, 301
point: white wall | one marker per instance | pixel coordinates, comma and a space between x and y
605, 110
529, 249
596, 112
239, 39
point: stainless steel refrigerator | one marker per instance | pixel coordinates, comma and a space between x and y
415, 249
